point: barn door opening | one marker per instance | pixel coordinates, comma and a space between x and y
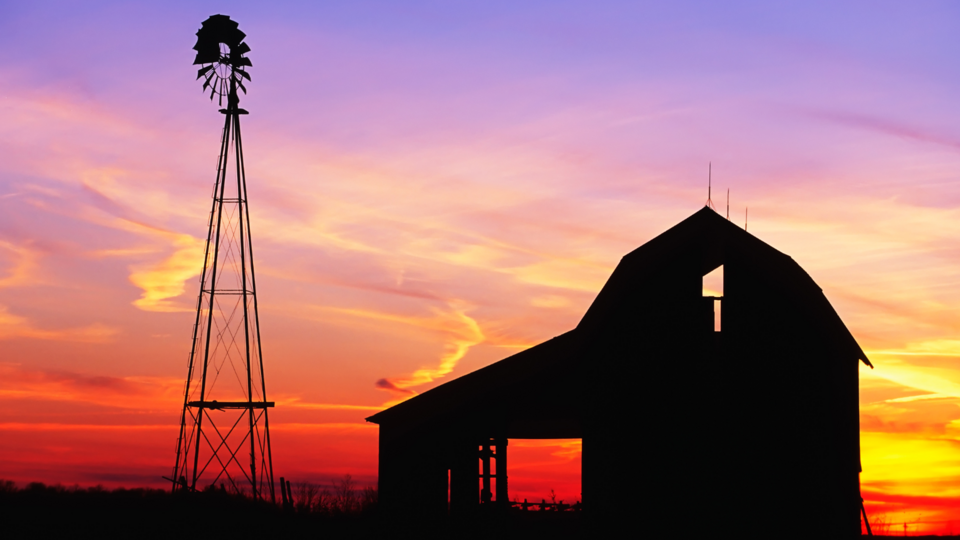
546, 476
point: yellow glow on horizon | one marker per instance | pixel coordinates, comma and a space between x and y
933, 464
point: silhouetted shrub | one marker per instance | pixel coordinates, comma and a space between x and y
346, 500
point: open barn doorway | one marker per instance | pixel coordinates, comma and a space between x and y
546, 475
541, 475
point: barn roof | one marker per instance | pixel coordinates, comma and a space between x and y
704, 230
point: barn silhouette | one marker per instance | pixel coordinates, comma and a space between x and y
696, 413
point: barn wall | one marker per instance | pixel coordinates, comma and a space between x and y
413, 476
638, 445
759, 435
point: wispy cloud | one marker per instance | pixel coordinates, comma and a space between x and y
50, 426
14, 326
161, 281
23, 265
164, 281
18, 382
563, 448
887, 126
386, 384
921, 397
325, 427
296, 403
939, 380
458, 330
934, 380
461, 332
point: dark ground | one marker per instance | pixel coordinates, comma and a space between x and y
39, 511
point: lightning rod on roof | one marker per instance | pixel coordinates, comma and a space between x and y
746, 218
709, 186
728, 204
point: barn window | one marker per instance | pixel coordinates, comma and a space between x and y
713, 297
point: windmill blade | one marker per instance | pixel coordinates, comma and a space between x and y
204, 70
220, 29
242, 87
243, 74
242, 48
208, 51
243, 62
207, 57
206, 84
233, 37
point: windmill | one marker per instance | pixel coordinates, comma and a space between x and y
224, 429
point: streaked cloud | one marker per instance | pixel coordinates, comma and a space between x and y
297, 403
563, 448
887, 126
943, 381
458, 330
165, 281
22, 265
14, 326
45, 426
57, 385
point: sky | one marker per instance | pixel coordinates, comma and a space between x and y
437, 185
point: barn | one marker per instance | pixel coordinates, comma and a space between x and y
731, 410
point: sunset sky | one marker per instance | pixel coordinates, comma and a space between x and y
437, 185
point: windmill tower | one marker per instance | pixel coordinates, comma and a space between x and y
224, 432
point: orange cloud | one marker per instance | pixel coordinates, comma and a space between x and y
333, 426
941, 380
296, 403
13, 326
151, 392
24, 265
567, 449
50, 426
161, 282
459, 330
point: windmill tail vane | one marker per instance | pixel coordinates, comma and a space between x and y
220, 53
224, 424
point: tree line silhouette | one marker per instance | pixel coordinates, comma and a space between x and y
343, 508
40, 510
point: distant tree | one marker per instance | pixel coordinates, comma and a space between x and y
305, 498
880, 524
345, 495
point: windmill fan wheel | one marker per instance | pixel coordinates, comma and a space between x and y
220, 53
